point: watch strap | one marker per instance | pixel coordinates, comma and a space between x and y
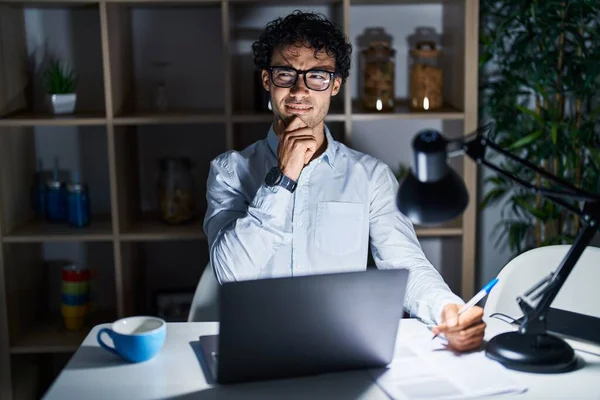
287, 183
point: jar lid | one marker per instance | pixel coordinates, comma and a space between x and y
76, 187
376, 34
52, 184
425, 48
74, 268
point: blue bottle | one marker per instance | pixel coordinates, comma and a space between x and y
56, 201
78, 204
55, 198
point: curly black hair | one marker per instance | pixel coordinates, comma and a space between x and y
311, 29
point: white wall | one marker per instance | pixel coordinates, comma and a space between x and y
190, 40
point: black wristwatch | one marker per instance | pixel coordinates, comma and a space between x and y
275, 177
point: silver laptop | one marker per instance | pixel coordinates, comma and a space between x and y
289, 327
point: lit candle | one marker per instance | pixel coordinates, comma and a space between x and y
379, 105
426, 103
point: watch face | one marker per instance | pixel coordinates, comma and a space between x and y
273, 177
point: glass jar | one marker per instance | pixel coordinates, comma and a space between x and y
78, 201
175, 190
425, 77
378, 86
56, 201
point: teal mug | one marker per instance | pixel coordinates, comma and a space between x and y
135, 339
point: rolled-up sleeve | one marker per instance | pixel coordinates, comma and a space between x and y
395, 245
242, 235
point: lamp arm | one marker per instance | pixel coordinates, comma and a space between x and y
534, 321
474, 145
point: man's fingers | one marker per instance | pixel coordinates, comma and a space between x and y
294, 141
455, 322
463, 334
473, 327
466, 345
477, 326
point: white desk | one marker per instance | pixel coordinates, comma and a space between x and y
175, 373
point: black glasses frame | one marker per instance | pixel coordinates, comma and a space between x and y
303, 73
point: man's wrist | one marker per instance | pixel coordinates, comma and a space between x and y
290, 173
276, 177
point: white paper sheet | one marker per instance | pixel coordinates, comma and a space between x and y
425, 369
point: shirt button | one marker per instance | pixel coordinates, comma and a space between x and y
299, 223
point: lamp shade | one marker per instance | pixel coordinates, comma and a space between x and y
431, 203
432, 192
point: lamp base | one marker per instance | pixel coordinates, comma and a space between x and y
538, 353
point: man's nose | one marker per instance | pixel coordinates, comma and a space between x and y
299, 89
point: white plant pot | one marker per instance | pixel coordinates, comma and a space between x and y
63, 103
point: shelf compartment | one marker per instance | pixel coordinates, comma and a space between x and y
81, 150
156, 269
142, 59
50, 336
33, 287
28, 96
100, 229
138, 151
403, 111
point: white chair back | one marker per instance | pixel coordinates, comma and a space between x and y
205, 304
578, 294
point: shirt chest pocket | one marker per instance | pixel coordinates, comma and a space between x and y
339, 227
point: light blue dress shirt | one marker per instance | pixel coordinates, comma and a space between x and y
343, 198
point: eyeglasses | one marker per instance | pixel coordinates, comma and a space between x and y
314, 79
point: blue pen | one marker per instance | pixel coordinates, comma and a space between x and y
477, 298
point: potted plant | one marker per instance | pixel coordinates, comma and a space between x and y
60, 83
540, 85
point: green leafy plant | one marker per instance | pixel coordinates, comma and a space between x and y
540, 85
58, 78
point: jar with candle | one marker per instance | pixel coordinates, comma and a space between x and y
175, 190
378, 67
425, 77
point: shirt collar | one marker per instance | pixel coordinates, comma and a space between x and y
328, 155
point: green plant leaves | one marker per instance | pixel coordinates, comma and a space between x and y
58, 79
540, 85
524, 141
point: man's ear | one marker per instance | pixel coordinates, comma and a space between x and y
337, 84
264, 78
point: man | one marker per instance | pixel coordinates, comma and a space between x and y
298, 202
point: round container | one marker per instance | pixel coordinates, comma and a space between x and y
75, 299
425, 77
81, 287
176, 190
378, 87
72, 273
74, 317
75, 296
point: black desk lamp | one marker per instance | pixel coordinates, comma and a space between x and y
432, 192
